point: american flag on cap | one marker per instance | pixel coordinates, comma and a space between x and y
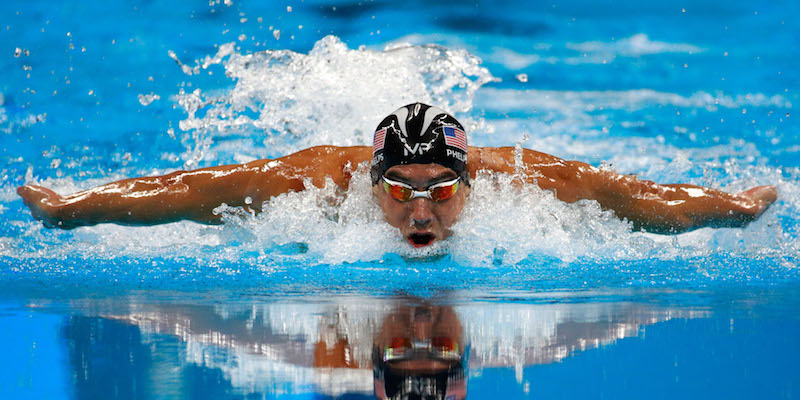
377, 143
455, 137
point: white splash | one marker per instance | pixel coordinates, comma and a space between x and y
332, 95
287, 101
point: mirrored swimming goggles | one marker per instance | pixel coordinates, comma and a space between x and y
438, 192
440, 347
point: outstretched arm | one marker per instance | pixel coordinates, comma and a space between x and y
192, 195
672, 208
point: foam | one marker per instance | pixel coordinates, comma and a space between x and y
332, 95
500, 225
285, 101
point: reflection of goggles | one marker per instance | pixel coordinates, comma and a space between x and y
398, 383
437, 192
440, 347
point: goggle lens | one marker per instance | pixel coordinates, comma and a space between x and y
443, 193
398, 192
441, 346
443, 343
438, 192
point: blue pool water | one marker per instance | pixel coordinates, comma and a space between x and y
548, 294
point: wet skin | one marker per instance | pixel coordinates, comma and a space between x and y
421, 221
193, 195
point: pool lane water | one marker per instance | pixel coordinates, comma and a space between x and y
556, 301
633, 344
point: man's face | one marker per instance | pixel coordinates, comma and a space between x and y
421, 221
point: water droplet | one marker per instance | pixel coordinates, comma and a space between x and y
248, 200
146, 99
522, 78
288, 8
17, 52
277, 34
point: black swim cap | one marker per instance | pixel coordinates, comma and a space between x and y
419, 134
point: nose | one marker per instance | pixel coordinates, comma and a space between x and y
422, 325
421, 213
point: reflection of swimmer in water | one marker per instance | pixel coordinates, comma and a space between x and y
420, 177
419, 353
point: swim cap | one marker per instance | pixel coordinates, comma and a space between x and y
419, 134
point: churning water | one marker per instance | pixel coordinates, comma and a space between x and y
700, 93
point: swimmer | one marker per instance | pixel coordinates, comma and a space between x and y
421, 168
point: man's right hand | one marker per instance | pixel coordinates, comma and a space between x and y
193, 195
44, 204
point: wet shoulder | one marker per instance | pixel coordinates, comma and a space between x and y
498, 159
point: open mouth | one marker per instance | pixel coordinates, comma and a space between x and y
421, 239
